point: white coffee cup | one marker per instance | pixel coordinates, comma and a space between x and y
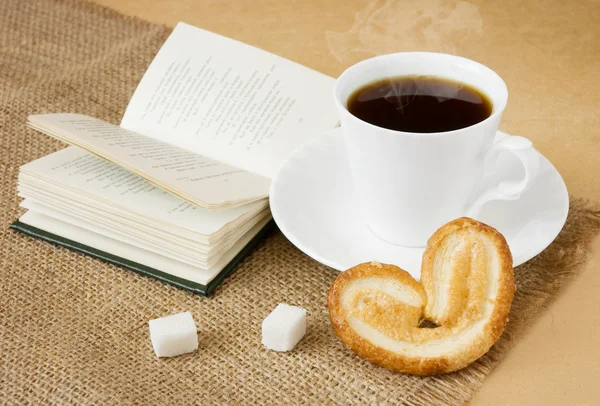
409, 184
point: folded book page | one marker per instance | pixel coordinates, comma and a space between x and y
197, 179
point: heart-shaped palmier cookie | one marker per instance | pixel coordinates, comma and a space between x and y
467, 287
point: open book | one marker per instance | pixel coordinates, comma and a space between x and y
179, 190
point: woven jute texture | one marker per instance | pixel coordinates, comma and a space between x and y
74, 329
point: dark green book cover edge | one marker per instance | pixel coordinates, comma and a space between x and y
198, 288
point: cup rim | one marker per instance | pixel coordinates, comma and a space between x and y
343, 108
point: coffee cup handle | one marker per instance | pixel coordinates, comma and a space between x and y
509, 190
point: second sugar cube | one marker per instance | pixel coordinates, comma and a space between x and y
284, 327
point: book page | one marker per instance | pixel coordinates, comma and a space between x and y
63, 199
78, 170
198, 179
232, 102
133, 236
135, 254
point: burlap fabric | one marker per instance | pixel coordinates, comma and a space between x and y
74, 329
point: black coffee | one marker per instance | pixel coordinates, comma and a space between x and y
420, 104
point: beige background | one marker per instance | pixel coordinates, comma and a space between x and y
548, 52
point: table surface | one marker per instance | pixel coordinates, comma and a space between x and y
548, 52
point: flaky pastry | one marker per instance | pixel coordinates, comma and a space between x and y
467, 287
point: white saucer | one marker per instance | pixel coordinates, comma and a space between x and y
311, 201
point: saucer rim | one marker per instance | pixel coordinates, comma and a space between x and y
275, 209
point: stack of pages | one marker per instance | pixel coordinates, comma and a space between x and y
105, 207
178, 191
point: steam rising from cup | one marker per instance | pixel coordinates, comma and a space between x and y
388, 26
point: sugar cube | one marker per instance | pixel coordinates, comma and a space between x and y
284, 327
173, 335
